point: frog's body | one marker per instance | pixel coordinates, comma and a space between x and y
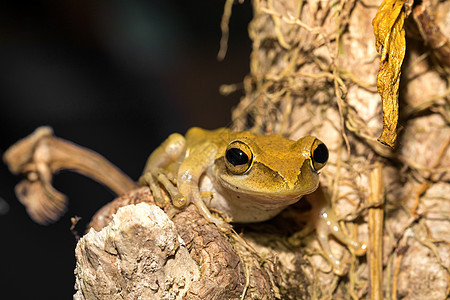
252, 177
278, 172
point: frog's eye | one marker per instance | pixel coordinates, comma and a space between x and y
319, 155
238, 157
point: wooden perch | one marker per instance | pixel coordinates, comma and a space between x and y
228, 270
40, 155
139, 255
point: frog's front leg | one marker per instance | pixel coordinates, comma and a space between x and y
189, 173
154, 173
325, 223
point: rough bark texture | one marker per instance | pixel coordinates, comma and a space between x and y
313, 71
226, 272
147, 255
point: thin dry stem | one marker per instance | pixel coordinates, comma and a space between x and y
225, 29
376, 217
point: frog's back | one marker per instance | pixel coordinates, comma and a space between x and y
198, 137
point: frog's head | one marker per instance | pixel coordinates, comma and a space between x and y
271, 167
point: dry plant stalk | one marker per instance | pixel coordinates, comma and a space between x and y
376, 216
40, 155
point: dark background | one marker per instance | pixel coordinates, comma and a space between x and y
114, 76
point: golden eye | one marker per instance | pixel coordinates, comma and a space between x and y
319, 155
238, 157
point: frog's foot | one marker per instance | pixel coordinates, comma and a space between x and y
322, 218
147, 179
222, 224
327, 225
153, 178
309, 227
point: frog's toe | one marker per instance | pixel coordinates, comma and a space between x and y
338, 268
221, 224
179, 201
361, 249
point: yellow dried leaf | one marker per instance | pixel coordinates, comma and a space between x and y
390, 37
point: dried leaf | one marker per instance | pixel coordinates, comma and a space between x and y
390, 37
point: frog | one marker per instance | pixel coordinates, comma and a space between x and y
247, 177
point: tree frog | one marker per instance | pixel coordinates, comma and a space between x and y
247, 176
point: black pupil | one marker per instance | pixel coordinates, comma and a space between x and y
320, 155
236, 156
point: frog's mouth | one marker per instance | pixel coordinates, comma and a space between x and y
265, 194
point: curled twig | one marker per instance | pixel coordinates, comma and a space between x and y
40, 155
